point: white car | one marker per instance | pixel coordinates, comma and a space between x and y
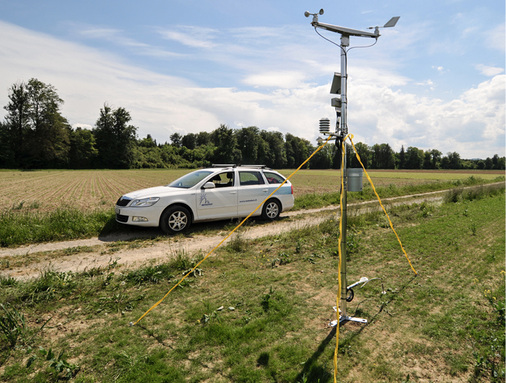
220, 192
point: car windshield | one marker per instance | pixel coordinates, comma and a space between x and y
190, 180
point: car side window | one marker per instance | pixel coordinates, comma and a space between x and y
224, 179
249, 177
273, 178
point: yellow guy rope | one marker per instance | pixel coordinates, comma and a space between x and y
232, 232
379, 199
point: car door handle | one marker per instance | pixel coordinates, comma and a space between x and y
233, 192
265, 190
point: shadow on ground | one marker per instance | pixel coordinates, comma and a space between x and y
114, 231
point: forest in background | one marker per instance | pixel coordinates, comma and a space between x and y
35, 135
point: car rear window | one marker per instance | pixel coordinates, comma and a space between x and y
249, 177
273, 178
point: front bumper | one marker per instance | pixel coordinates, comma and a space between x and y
140, 216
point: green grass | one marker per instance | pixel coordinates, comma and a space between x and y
62, 224
442, 175
315, 200
258, 310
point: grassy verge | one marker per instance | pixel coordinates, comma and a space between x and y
258, 311
18, 228
315, 200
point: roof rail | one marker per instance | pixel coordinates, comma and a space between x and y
224, 165
256, 166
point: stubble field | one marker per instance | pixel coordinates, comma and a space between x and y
47, 190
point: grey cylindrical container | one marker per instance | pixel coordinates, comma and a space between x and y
355, 179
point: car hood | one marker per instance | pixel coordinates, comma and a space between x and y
157, 191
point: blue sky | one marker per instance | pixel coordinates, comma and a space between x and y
435, 81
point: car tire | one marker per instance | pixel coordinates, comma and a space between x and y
175, 219
271, 209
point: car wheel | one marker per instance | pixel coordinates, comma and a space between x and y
271, 209
175, 220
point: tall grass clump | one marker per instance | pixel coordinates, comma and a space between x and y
12, 325
314, 200
150, 274
17, 228
460, 194
49, 286
170, 271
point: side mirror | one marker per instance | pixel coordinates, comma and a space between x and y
209, 185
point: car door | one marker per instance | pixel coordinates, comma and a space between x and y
252, 190
220, 201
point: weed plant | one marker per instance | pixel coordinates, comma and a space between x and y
12, 325
259, 311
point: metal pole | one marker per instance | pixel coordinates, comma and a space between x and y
345, 42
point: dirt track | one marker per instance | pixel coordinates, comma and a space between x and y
29, 261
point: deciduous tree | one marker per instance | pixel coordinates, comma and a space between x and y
414, 158
115, 138
83, 152
382, 157
39, 134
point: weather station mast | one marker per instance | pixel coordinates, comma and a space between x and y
339, 87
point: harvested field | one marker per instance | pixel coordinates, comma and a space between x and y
46, 190
86, 189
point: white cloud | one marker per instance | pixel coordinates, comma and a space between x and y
281, 79
118, 38
381, 110
195, 37
495, 37
113, 35
489, 70
82, 126
472, 125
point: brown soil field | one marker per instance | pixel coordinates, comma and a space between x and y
85, 189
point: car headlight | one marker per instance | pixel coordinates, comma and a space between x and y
144, 202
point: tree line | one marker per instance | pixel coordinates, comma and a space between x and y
35, 135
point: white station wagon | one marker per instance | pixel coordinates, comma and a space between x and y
220, 192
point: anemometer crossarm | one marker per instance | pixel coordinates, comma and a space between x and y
346, 31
